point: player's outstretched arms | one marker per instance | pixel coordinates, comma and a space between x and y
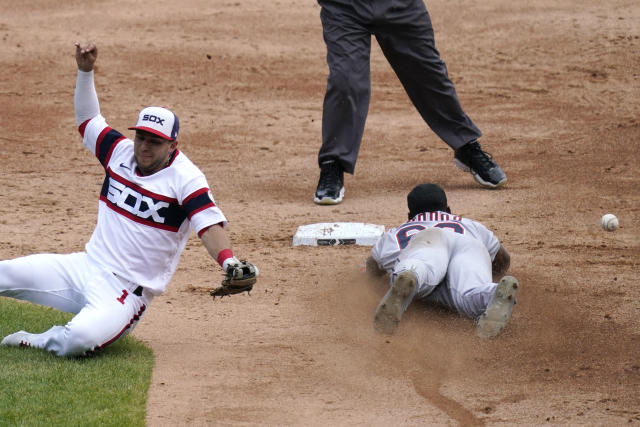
86, 56
215, 240
500, 264
239, 276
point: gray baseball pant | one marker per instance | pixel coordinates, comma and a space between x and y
404, 32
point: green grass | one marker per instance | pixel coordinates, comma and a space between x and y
40, 388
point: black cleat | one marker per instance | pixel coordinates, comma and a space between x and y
330, 189
471, 158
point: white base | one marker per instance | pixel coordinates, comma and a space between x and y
338, 233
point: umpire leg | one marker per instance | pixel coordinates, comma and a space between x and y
346, 101
407, 41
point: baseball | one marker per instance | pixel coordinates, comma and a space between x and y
609, 222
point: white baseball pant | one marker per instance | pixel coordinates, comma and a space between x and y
105, 306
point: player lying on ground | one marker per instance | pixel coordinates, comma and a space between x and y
441, 257
151, 198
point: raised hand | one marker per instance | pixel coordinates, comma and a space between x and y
86, 56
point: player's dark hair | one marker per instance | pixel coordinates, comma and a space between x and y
427, 198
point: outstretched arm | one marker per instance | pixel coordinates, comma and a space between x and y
500, 263
240, 276
85, 98
218, 245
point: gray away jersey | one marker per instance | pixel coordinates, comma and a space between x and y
386, 250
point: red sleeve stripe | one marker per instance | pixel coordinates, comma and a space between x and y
197, 202
99, 141
82, 127
201, 232
200, 209
195, 194
108, 157
105, 143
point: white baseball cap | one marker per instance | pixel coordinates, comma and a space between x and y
158, 121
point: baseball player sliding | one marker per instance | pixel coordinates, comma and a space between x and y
151, 198
441, 257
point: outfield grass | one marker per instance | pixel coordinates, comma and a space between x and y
39, 388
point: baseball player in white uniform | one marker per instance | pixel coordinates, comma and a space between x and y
441, 257
151, 198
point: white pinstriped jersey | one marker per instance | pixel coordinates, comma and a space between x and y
386, 250
144, 221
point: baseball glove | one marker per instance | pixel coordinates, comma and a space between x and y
239, 278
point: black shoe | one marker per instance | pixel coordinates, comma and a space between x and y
330, 189
471, 158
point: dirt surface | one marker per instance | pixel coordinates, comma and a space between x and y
555, 89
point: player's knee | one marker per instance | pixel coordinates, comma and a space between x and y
427, 275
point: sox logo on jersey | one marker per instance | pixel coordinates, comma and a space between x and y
146, 207
139, 205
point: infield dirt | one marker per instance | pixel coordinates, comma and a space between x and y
554, 86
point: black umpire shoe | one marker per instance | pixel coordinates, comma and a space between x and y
330, 189
471, 158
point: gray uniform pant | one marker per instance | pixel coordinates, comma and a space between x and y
452, 269
405, 35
